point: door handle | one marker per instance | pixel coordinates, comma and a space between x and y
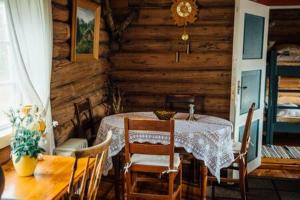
240, 87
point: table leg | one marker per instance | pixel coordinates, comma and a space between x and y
116, 164
203, 171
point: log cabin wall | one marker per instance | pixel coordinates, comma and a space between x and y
285, 26
75, 81
144, 67
285, 29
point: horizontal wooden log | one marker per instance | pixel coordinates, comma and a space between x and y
202, 33
100, 111
167, 3
77, 71
104, 37
104, 50
66, 112
284, 31
102, 24
59, 63
60, 13
283, 22
284, 39
60, 2
211, 103
63, 132
61, 50
207, 77
147, 61
290, 14
289, 83
159, 16
69, 92
61, 32
220, 89
149, 46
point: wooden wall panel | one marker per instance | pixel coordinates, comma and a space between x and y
73, 82
144, 67
285, 26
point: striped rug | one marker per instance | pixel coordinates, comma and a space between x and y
274, 151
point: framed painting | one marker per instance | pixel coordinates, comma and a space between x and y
85, 30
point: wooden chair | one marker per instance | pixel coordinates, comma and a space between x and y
92, 175
151, 158
84, 111
240, 161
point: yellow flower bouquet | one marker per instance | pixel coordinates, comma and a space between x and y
29, 128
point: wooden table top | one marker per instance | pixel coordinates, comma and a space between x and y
50, 180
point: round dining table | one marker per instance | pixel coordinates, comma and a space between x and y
208, 138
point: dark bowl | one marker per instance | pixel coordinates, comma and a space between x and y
164, 115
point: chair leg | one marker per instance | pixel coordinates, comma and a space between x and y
180, 183
243, 185
116, 164
213, 190
246, 183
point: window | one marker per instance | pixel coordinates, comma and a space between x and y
9, 94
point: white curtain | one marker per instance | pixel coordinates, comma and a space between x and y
30, 24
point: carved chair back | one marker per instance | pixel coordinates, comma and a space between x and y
91, 179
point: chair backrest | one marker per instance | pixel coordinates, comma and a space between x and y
157, 126
88, 189
246, 135
84, 111
181, 102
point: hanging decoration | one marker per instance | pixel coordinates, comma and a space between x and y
184, 12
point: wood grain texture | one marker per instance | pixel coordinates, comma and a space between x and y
144, 66
158, 16
162, 46
61, 50
166, 61
61, 31
50, 180
285, 26
171, 32
60, 2
60, 13
73, 82
167, 3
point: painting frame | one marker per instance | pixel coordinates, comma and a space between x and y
87, 14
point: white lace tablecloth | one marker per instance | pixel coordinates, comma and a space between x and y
208, 138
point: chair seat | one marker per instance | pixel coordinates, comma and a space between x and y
236, 147
155, 160
69, 146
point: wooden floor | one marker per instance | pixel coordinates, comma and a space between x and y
259, 189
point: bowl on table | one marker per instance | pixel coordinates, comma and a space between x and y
164, 115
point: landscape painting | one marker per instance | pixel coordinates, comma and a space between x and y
85, 30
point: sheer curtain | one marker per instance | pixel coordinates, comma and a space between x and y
30, 24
